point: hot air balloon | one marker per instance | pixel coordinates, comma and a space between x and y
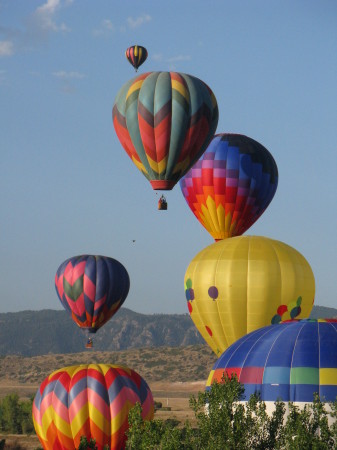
238, 285
92, 289
290, 361
89, 400
164, 121
231, 185
136, 55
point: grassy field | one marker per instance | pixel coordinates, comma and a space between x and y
173, 374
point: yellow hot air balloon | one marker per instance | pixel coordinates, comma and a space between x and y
240, 284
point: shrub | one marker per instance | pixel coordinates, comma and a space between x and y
15, 415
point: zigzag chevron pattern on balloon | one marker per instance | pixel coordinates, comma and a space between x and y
89, 400
164, 121
91, 288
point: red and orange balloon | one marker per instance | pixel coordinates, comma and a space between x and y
231, 185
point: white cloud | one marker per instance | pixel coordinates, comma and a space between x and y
67, 80
2, 77
6, 48
157, 57
105, 28
138, 21
179, 58
108, 25
68, 75
45, 16
35, 29
48, 8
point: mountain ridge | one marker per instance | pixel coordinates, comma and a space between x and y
35, 333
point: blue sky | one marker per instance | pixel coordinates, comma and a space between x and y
67, 186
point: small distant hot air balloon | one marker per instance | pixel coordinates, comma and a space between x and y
91, 400
136, 55
164, 121
291, 361
92, 289
237, 285
231, 185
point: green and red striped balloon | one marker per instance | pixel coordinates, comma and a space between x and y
91, 400
165, 121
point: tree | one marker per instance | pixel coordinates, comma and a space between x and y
15, 415
26, 419
11, 414
308, 427
218, 418
222, 423
226, 423
87, 445
156, 434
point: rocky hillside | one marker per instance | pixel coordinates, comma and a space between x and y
33, 333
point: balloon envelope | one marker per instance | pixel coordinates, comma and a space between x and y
136, 55
231, 185
237, 285
91, 400
290, 361
164, 121
92, 289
